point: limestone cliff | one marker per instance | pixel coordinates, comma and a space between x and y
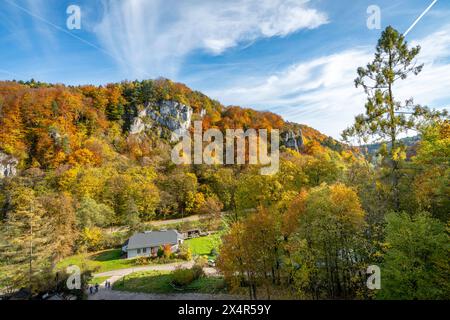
8, 165
292, 139
171, 115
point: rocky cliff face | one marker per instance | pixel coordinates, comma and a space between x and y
172, 119
8, 165
174, 116
292, 140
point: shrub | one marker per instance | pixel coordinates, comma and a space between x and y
162, 260
202, 261
183, 277
185, 252
142, 261
167, 251
160, 252
197, 270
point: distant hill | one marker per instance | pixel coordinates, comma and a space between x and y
410, 143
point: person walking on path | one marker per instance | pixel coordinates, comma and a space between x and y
96, 287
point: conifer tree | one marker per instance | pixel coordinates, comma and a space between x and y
25, 233
386, 117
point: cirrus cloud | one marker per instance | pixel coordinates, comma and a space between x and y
151, 38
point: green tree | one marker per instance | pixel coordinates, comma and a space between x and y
61, 214
182, 187
92, 214
385, 117
249, 253
212, 207
223, 182
132, 219
416, 262
27, 247
133, 185
254, 190
115, 111
432, 170
327, 247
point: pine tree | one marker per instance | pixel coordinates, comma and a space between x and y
386, 118
62, 222
25, 232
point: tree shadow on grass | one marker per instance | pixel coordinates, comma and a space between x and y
108, 255
146, 283
161, 282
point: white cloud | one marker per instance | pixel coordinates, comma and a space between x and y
321, 92
152, 37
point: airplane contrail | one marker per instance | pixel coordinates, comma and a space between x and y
420, 17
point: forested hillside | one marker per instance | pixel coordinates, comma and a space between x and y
78, 161
410, 143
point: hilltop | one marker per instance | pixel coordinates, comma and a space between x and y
46, 125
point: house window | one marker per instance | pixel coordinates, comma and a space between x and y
139, 251
144, 250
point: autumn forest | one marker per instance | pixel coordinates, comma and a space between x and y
75, 171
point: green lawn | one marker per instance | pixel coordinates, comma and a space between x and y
159, 282
99, 262
104, 261
111, 259
202, 246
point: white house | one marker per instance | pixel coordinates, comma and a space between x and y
146, 244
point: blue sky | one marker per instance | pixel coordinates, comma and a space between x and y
297, 58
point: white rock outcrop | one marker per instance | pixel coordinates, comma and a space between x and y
8, 165
292, 140
172, 115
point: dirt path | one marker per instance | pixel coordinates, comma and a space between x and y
193, 218
162, 223
162, 267
116, 275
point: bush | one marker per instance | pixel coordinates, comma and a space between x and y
142, 261
197, 270
202, 261
167, 251
160, 253
163, 260
183, 277
185, 252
